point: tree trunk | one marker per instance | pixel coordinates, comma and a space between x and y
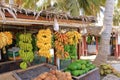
104, 49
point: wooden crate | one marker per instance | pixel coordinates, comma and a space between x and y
33, 72
91, 75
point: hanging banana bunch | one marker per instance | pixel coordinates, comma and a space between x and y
26, 48
6, 39
44, 40
60, 41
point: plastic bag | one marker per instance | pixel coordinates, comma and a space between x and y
56, 25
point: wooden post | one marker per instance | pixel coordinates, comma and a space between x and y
116, 46
55, 57
82, 45
47, 60
78, 47
96, 44
118, 51
85, 46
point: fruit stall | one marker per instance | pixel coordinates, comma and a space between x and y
26, 35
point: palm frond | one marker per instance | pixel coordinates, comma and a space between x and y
118, 5
73, 7
90, 7
29, 4
102, 2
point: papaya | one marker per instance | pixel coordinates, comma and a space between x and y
87, 65
78, 66
76, 72
86, 70
92, 66
83, 66
72, 66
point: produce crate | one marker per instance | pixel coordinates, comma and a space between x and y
91, 75
33, 72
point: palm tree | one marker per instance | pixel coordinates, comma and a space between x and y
105, 36
90, 7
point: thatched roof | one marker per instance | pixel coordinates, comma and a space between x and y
18, 16
93, 30
96, 30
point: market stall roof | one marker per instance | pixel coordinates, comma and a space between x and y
96, 30
93, 30
16, 16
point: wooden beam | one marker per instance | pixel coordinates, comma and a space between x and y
31, 17
28, 22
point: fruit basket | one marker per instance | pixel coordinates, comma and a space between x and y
33, 72
91, 75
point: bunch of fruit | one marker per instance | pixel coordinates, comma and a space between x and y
54, 75
6, 39
25, 51
79, 67
61, 37
108, 69
72, 50
60, 41
44, 39
73, 37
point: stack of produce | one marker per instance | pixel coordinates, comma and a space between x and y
54, 75
44, 40
5, 39
72, 50
108, 69
79, 67
60, 41
26, 48
73, 39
